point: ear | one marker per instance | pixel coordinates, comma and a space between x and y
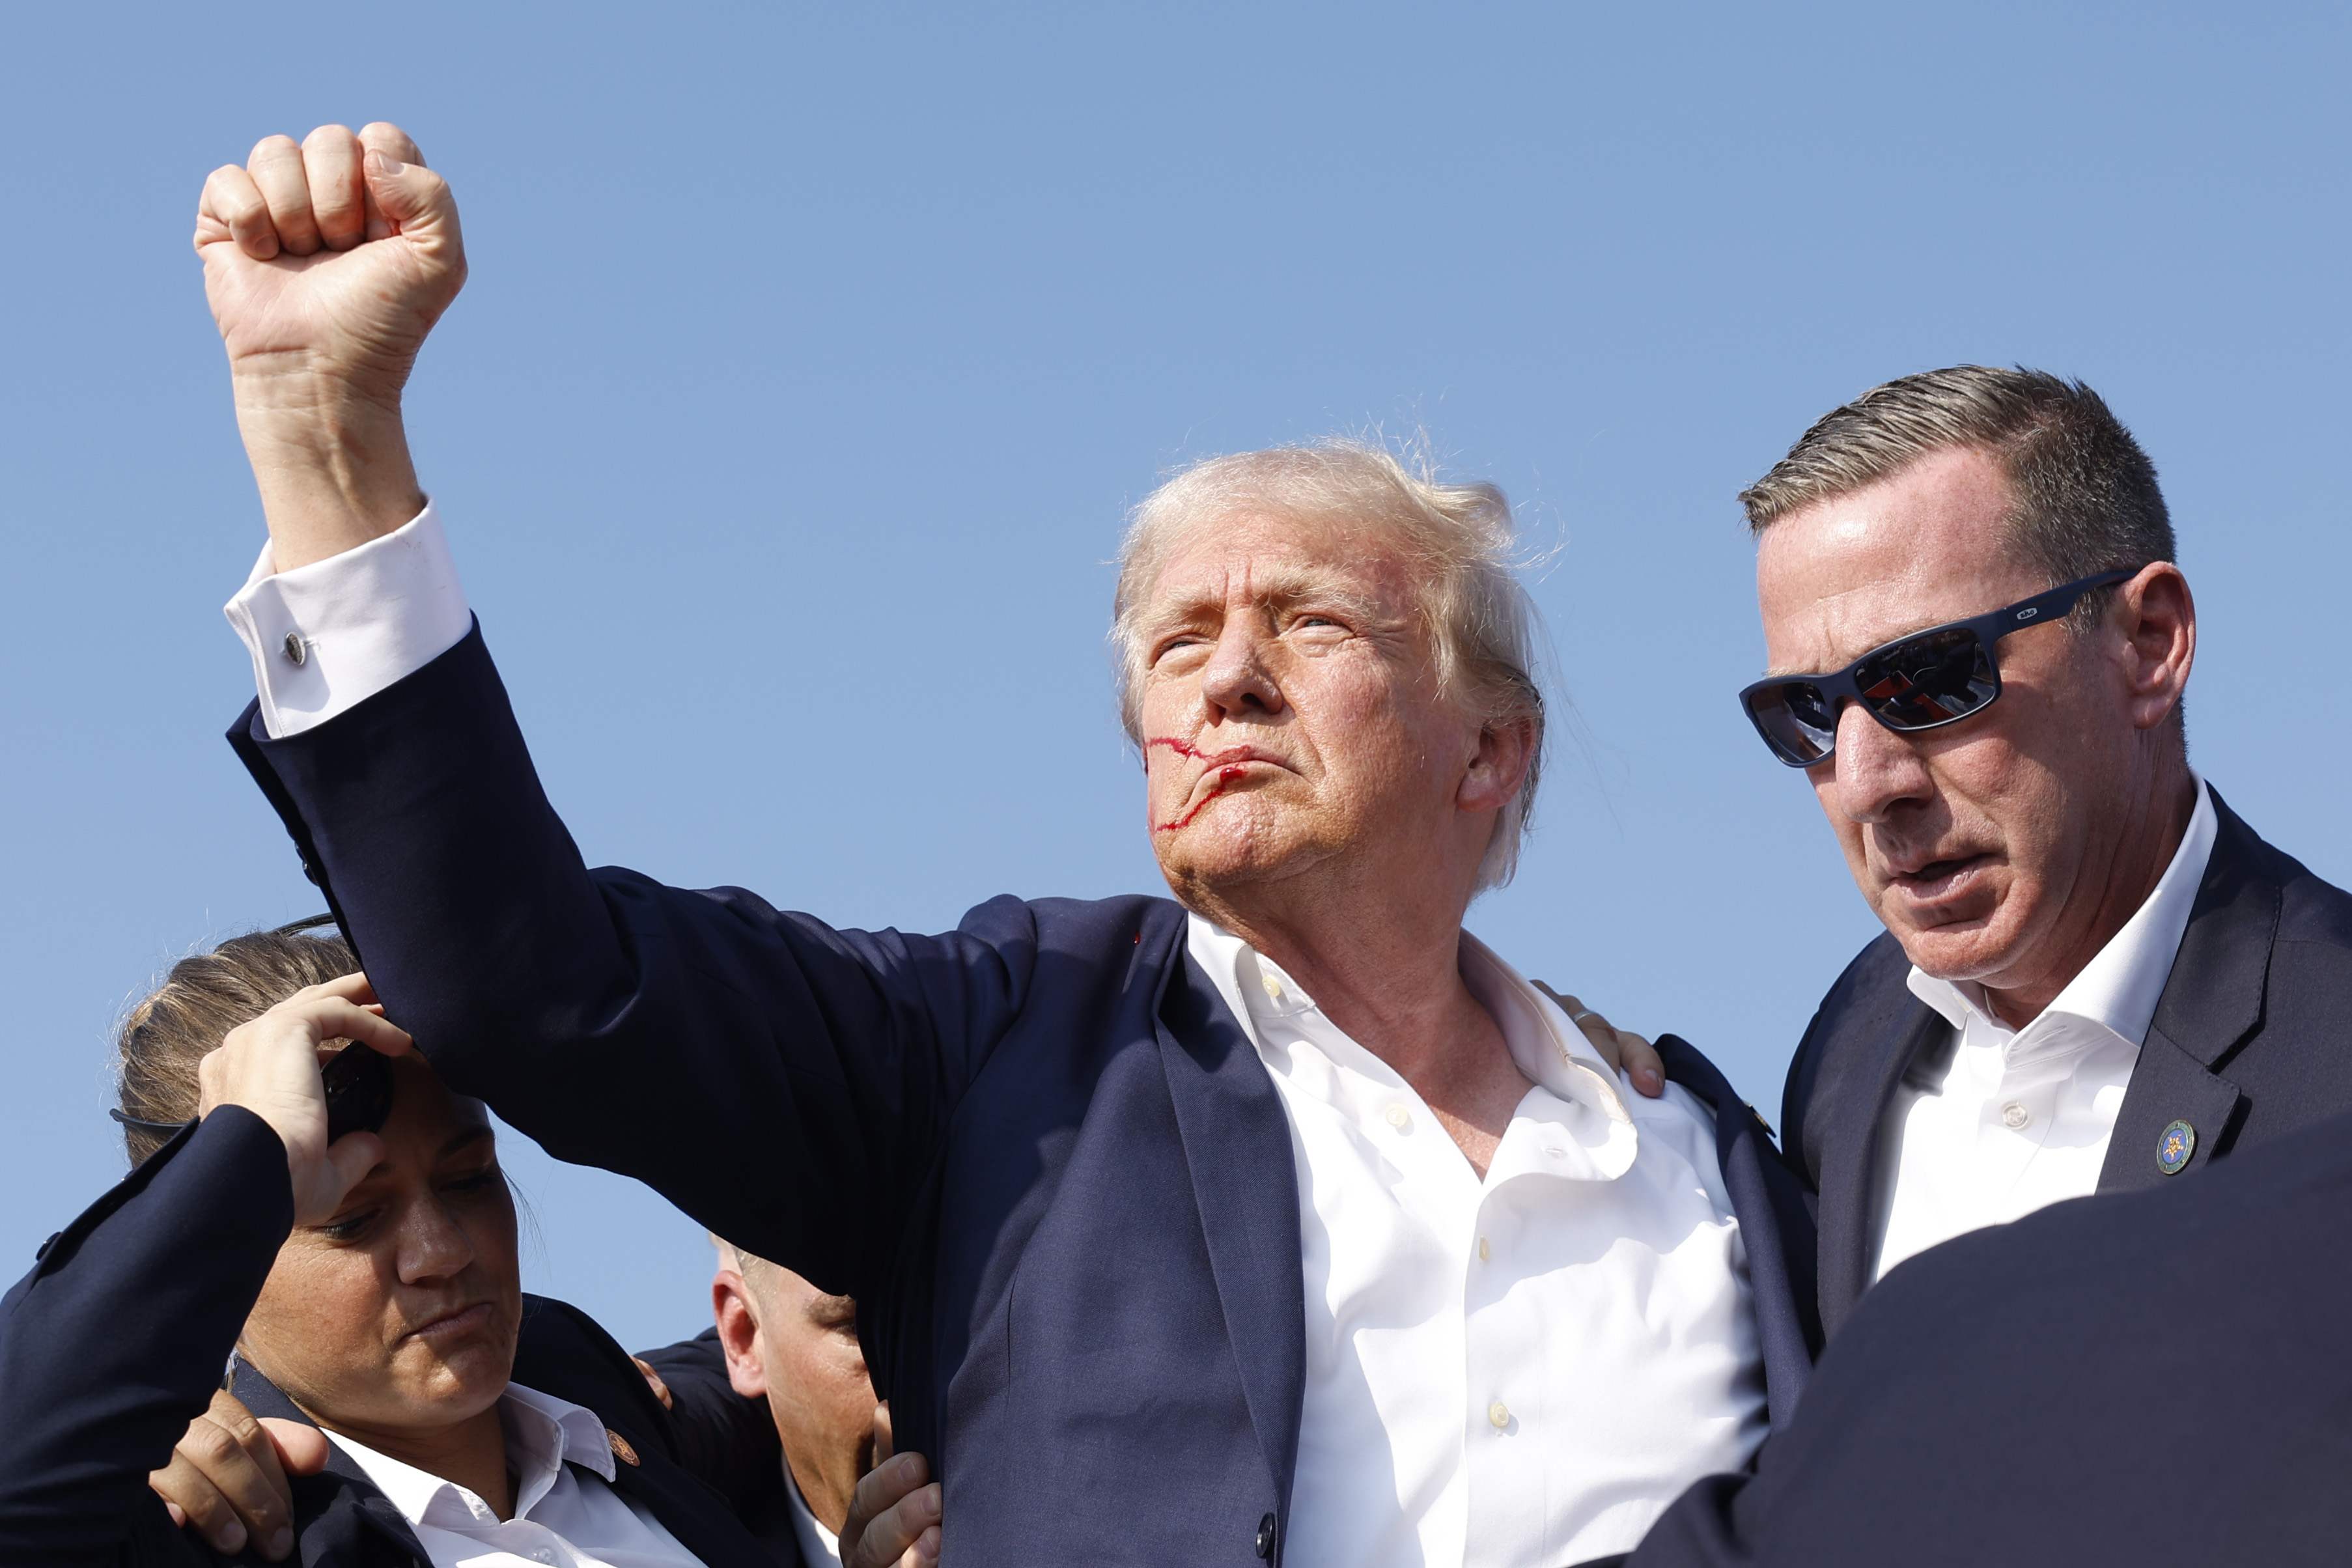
739, 1334
2157, 617
1497, 769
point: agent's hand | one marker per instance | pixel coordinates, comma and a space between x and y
228, 1478
326, 264
893, 1515
270, 1067
1629, 1053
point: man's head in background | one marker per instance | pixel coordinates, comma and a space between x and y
2000, 841
788, 1343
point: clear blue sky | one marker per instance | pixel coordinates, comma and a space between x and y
812, 355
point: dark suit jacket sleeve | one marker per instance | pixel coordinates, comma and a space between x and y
115, 1339
719, 1435
784, 1083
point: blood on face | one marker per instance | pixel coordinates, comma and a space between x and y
1227, 764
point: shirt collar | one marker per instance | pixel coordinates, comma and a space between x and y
2119, 988
543, 1433
1551, 1051
818, 1544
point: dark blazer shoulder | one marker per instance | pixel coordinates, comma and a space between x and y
1867, 1002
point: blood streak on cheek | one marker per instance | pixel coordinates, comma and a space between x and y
1226, 762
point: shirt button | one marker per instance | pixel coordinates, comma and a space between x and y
1499, 1413
1400, 1118
295, 653
545, 1554
2014, 1116
1485, 1253
1272, 988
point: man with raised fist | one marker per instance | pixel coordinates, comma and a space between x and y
1281, 1221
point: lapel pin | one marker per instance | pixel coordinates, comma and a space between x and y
2177, 1142
620, 1446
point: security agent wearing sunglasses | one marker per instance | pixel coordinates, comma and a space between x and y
2094, 977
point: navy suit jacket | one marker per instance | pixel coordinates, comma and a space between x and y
2114, 1382
2252, 1038
1038, 1149
115, 1339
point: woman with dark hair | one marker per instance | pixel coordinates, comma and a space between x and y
332, 1226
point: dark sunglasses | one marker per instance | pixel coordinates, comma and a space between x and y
1923, 681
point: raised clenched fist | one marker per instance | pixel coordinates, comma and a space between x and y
331, 260
327, 264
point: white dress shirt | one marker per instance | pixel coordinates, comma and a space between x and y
563, 1519
2003, 1121
820, 1548
1515, 1373
1518, 1372
326, 636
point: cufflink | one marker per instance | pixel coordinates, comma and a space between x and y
2174, 1147
295, 652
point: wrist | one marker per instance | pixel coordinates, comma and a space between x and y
332, 464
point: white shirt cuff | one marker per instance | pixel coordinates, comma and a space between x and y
327, 637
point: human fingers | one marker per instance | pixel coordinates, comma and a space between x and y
232, 208
1639, 1060
1625, 1051
276, 165
392, 142
654, 1381
330, 160
225, 1480
351, 987
416, 204
894, 1516
1593, 1027
270, 1067
301, 1448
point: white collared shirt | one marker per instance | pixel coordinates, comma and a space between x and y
1514, 1372
820, 1548
2012, 1121
563, 1519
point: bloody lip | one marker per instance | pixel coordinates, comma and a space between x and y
462, 1320
1227, 765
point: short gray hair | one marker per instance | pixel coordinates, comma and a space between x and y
2084, 496
1483, 627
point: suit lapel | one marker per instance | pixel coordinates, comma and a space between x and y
2212, 1000
1237, 1147
337, 1507
1768, 1198
1852, 1166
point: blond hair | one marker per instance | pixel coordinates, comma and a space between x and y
205, 995
1460, 537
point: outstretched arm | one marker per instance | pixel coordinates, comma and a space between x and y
784, 1083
